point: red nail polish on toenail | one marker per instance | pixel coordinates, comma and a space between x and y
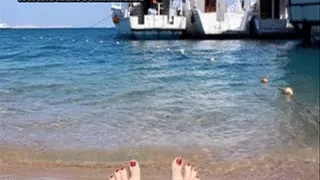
132, 163
179, 161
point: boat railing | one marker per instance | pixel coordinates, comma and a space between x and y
160, 7
157, 10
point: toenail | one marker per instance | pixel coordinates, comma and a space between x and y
179, 161
121, 168
132, 163
117, 170
195, 169
111, 176
188, 164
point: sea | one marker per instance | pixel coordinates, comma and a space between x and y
87, 90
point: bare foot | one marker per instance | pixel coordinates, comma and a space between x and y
190, 172
122, 173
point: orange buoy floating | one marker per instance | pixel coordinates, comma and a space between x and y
115, 19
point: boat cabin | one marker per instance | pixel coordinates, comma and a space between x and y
273, 9
212, 6
271, 16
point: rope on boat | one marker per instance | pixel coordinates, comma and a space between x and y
100, 21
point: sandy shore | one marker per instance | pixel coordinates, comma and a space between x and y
24, 163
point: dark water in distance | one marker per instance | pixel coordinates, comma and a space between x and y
81, 89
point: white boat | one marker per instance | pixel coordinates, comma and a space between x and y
214, 17
305, 17
4, 26
255, 17
147, 21
304, 11
270, 16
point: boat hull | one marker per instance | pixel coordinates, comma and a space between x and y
304, 11
123, 28
206, 23
152, 29
156, 34
305, 17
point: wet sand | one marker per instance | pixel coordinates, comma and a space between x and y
29, 163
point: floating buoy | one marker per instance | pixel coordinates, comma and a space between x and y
212, 59
115, 19
287, 91
182, 51
264, 80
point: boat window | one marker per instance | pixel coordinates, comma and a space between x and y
210, 6
270, 9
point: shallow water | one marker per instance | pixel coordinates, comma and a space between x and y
80, 89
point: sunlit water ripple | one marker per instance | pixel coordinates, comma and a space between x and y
79, 89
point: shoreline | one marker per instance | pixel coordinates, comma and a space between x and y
22, 162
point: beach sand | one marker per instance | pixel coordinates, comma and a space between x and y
35, 163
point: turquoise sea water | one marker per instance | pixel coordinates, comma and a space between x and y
84, 89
